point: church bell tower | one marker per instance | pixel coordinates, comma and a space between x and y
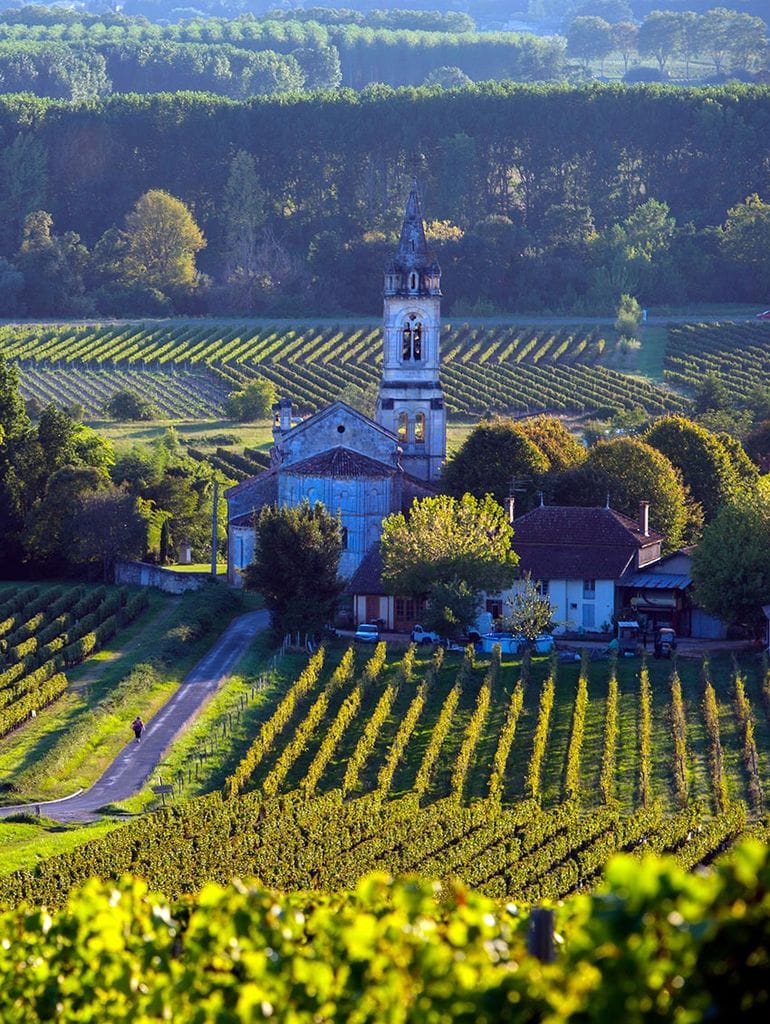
411, 401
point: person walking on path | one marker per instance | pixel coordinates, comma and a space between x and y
138, 726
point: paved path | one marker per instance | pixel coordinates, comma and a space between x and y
131, 768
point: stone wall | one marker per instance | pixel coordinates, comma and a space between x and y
144, 575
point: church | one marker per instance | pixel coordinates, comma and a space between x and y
360, 468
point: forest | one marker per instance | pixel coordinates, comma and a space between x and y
535, 197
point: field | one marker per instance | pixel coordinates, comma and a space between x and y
502, 368
738, 352
520, 777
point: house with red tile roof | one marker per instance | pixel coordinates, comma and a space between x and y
580, 556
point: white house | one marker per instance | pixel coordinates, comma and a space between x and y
579, 557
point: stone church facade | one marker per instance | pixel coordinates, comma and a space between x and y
361, 468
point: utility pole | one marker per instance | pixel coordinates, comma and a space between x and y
214, 530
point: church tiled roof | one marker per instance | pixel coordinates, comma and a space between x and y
253, 493
339, 463
367, 577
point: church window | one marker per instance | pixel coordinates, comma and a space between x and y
417, 341
413, 282
419, 428
341, 428
406, 348
411, 339
403, 427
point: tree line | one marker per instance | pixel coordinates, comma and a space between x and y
75, 59
536, 197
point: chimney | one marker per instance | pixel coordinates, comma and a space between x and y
282, 417
644, 518
510, 503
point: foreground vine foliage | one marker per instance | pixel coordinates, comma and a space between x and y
655, 943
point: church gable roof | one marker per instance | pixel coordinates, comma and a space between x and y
339, 463
335, 410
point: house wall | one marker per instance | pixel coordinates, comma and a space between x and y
572, 609
240, 552
362, 609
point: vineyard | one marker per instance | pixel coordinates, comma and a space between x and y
520, 777
497, 368
738, 352
46, 629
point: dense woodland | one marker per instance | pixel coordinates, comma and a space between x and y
536, 196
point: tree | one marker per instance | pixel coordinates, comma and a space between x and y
161, 239
447, 540
452, 606
111, 524
494, 455
51, 530
628, 317
624, 36
295, 568
243, 214
530, 612
560, 447
24, 174
126, 405
659, 37
745, 238
731, 564
711, 394
254, 402
448, 77
52, 267
638, 472
588, 38
703, 461
320, 66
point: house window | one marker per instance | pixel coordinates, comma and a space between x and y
403, 427
419, 428
589, 590
239, 563
542, 588
494, 606
344, 538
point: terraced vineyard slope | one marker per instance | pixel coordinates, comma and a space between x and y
504, 368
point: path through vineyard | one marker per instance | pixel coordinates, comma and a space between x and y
131, 768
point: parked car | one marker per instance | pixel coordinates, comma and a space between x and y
424, 636
367, 633
763, 316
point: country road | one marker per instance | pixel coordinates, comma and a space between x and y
136, 762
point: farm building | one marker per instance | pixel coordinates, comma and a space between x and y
364, 468
596, 565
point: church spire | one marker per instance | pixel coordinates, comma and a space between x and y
413, 270
412, 246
